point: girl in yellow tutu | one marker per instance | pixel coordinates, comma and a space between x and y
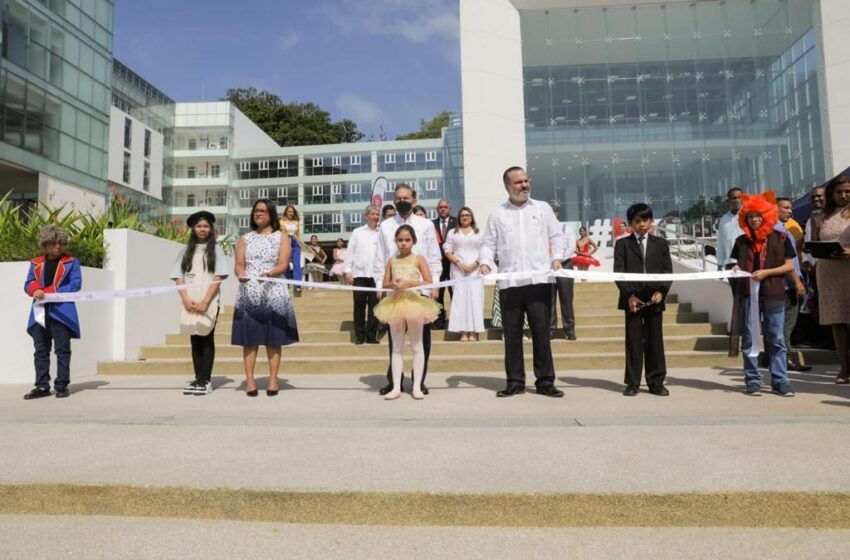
406, 310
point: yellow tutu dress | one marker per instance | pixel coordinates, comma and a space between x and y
407, 305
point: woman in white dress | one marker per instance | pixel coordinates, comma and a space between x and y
461, 248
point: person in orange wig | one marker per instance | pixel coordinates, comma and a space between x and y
768, 255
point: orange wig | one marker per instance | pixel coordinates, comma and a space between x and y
764, 204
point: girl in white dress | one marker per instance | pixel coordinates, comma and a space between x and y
461, 248
201, 262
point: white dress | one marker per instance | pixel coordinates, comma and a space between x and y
467, 312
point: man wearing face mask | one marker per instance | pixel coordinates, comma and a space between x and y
405, 200
728, 229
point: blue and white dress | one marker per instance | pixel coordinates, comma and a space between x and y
264, 314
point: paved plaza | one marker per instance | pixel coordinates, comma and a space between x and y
327, 434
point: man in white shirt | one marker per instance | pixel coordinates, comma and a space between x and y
525, 237
405, 200
564, 287
358, 272
728, 229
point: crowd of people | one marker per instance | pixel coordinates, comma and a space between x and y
399, 249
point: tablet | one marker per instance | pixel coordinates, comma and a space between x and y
823, 249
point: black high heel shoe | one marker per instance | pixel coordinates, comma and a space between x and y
253, 393
272, 392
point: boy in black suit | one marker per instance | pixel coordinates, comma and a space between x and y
643, 302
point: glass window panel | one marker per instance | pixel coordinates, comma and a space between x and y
38, 60
70, 81
32, 139
72, 49
86, 59
66, 149
86, 88
13, 127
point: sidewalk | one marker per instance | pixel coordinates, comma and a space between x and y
334, 433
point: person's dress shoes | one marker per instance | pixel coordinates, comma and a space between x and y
571, 336
660, 391
511, 391
631, 391
797, 367
550, 391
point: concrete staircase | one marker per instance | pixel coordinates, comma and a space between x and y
326, 329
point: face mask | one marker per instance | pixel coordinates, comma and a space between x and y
403, 206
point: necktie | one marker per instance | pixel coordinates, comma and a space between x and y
443, 230
642, 242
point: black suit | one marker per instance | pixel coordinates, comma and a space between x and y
644, 334
446, 273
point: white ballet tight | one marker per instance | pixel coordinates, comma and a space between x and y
413, 330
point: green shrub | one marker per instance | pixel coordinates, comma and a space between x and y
19, 230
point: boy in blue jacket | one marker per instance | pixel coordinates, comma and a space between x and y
56, 323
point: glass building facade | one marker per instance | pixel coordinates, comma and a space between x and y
671, 104
55, 81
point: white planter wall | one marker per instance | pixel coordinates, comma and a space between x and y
111, 330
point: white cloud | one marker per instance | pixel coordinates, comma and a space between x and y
360, 110
433, 22
287, 39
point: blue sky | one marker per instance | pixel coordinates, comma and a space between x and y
389, 62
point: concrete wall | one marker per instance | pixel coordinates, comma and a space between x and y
111, 330
249, 136
56, 193
16, 345
493, 103
711, 296
835, 81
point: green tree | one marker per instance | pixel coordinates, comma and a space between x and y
429, 129
292, 124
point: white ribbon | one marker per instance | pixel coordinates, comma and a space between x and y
542, 276
65, 297
754, 318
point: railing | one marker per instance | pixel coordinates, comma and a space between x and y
689, 249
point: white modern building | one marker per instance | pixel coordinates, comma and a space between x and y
223, 163
612, 101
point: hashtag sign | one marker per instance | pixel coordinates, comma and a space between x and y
600, 232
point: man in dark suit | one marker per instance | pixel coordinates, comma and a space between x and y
444, 223
643, 302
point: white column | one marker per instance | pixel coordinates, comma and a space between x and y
493, 103
835, 20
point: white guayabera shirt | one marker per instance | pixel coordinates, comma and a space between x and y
361, 251
525, 238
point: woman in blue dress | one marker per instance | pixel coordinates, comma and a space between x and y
264, 314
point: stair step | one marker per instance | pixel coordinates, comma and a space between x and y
437, 363
443, 348
336, 335
602, 318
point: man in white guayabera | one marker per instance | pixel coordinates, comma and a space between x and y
525, 237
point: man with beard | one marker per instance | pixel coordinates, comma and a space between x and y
525, 236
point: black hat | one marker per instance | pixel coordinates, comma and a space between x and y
202, 215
